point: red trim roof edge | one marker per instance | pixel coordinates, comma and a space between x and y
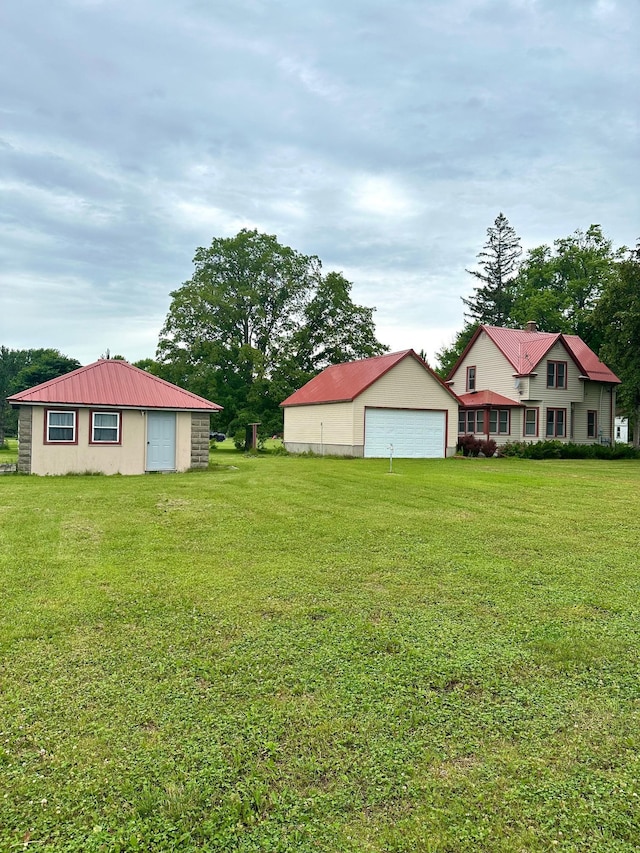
16, 398
401, 355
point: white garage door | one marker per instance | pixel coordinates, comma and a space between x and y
414, 434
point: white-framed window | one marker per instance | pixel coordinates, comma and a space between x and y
592, 423
60, 426
105, 428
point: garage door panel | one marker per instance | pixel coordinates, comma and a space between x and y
414, 433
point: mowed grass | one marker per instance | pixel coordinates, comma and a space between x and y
303, 654
9, 452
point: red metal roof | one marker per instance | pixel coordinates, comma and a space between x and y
342, 383
112, 382
525, 350
475, 399
588, 361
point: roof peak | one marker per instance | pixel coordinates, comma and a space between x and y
97, 384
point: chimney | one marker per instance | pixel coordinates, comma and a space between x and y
531, 326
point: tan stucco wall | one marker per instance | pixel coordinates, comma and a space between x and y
339, 427
127, 458
183, 441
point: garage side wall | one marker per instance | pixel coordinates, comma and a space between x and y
407, 386
326, 428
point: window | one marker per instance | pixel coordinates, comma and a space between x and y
556, 423
105, 428
60, 427
471, 421
556, 374
471, 379
592, 423
530, 421
499, 421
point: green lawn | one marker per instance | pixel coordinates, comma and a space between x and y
9, 453
304, 654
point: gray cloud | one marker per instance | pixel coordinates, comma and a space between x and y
382, 137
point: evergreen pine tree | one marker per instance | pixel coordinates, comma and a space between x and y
492, 298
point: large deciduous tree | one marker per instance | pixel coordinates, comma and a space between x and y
256, 320
559, 287
491, 301
618, 318
21, 369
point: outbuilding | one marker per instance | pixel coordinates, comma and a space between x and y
111, 418
392, 403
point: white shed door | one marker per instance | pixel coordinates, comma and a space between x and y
414, 433
161, 441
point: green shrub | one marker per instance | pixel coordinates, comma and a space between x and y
567, 450
239, 439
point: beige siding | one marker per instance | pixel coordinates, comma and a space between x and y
322, 428
493, 370
339, 427
495, 373
597, 398
557, 397
407, 386
580, 396
127, 458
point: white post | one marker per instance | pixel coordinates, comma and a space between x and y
391, 458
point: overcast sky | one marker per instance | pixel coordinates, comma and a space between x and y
384, 137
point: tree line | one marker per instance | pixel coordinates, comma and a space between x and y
257, 319
21, 369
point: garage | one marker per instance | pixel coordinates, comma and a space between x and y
361, 407
414, 433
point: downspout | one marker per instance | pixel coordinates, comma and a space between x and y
600, 412
612, 411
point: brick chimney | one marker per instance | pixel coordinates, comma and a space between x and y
531, 326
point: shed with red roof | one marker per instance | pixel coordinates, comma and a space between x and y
372, 407
113, 418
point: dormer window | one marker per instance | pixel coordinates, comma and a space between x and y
556, 374
471, 378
